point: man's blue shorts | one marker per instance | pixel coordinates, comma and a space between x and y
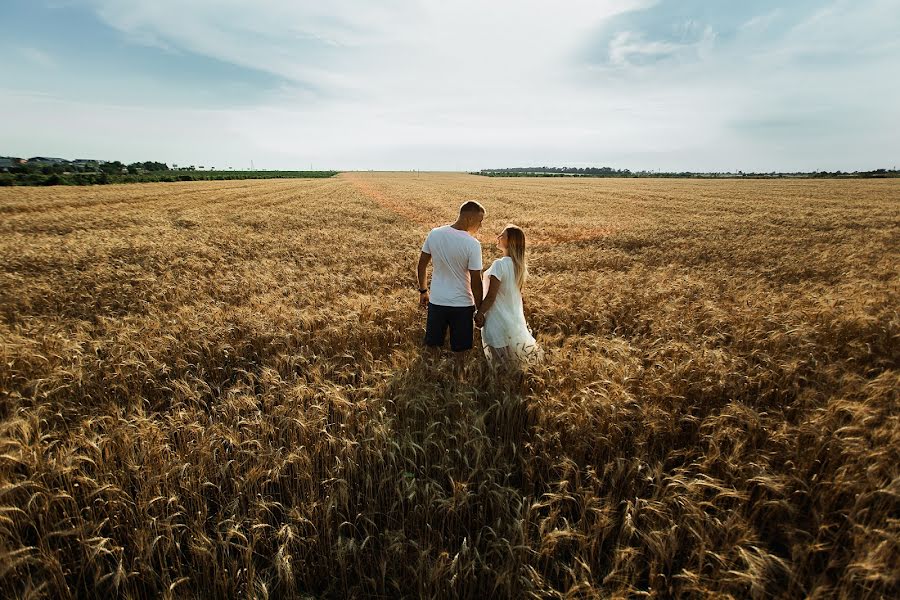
460, 320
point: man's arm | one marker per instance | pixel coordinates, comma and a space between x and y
477, 290
475, 273
422, 272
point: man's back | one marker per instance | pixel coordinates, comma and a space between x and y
454, 253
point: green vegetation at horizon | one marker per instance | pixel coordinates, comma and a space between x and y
7, 179
610, 172
52, 171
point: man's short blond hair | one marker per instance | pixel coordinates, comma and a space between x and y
471, 207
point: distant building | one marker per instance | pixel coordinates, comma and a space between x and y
46, 160
87, 164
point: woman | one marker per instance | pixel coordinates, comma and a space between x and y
504, 334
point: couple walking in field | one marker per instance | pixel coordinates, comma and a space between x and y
460, 297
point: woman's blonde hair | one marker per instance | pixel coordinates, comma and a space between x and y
515, 248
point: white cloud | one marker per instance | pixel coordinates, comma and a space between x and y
37, 57
628, 49
430, 84
359, 46
467, 75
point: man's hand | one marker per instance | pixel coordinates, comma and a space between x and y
424, 297
479, 319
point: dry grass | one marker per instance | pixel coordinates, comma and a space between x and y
214, 389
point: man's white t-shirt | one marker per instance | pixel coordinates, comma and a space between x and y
454, 253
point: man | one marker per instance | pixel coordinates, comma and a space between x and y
456, 290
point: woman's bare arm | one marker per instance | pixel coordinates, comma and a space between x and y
493, 288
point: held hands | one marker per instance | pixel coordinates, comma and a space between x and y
479, 319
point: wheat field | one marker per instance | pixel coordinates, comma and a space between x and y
216, 389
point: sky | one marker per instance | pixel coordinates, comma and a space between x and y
701, 85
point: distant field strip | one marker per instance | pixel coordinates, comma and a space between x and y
417, 199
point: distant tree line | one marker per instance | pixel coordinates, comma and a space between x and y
610, 172
57, 171
587, 171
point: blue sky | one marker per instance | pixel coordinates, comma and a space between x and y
349, 84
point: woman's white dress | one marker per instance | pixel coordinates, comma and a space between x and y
505, 329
